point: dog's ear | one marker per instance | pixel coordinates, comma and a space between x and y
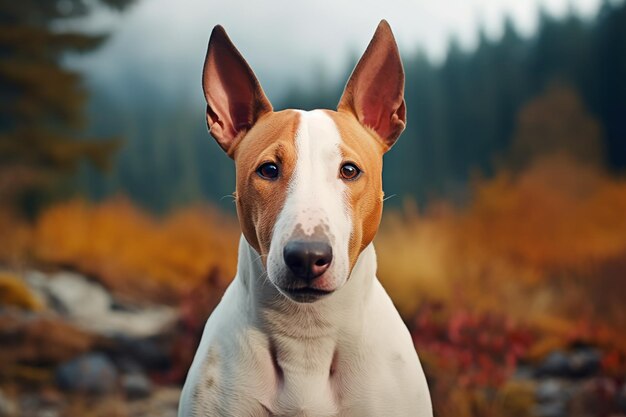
375, 91
235, 99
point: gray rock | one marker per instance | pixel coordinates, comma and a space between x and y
136, 386
77, 295
584, 362
552, 390
92, 373
555, 409
89, 305
147, 353
124, 363
555, 364
523, 372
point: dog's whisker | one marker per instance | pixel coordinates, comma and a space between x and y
265, 278
227, 196
259, 257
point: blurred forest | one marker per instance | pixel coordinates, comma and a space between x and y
505, 250
462, 115
42, 117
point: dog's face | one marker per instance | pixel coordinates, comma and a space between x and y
309, 184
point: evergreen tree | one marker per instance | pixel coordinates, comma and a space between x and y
41, 107
605, 87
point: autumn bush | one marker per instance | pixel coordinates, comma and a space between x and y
469, 358
548, 242
133, 253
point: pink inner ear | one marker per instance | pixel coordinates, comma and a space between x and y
229, 93
375, 91
378, 93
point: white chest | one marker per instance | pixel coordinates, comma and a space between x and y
344, 362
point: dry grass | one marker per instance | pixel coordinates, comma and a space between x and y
413, 252
547, 246
131, 252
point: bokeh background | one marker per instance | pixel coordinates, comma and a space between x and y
503, 244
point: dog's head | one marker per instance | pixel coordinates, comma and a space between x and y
309, 184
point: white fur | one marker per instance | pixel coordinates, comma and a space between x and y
316, 198
348, 354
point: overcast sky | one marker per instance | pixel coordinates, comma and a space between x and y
164, 41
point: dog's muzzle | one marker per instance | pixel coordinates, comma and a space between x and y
307, 260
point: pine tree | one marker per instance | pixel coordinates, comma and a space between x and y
606, 89
41, 101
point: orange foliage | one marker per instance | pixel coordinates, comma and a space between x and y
546, 246
413, 252
133, 253
555, 215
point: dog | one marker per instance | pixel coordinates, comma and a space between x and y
306, 328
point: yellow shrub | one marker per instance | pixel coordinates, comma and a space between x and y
134, 253
14, 292
413, 254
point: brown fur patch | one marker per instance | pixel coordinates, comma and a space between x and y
260, 201
365, 194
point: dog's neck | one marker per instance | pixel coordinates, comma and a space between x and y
276, 314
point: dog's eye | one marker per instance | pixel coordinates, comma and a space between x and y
349, 171
268, 170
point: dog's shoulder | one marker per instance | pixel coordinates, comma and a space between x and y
217, 378
393, 362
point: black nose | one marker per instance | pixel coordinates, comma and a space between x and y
308, 259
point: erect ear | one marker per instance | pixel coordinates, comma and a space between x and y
375, 91
235, 99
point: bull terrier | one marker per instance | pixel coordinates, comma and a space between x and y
305, 328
